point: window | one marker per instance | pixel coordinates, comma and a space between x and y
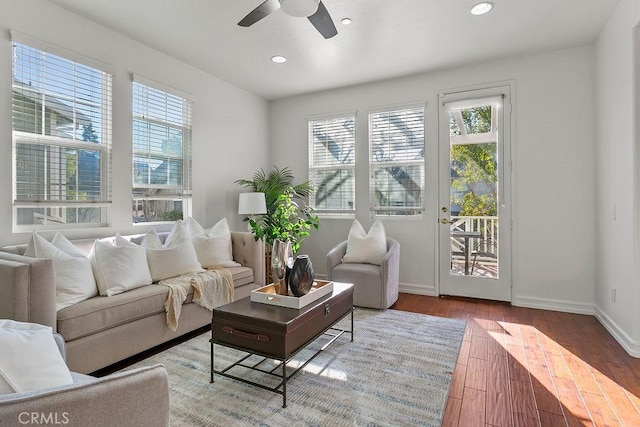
473, 137
332, 164
161, 154
61, 132
396, 144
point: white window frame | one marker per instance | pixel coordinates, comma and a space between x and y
385, 211
182, 192
313, 167
39, 139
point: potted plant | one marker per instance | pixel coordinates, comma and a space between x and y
285, 218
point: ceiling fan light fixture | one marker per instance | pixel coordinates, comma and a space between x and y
481, 8
346, 21
299, 8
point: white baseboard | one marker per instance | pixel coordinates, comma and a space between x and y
417, 289
555, 305
404, 287
630, 345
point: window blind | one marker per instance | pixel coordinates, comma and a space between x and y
332, 164
396, 146
161, 154
61, 128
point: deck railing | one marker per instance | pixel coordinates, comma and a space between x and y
487, 226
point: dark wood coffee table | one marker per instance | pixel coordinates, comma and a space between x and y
278, 333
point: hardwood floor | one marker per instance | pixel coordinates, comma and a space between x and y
526, 367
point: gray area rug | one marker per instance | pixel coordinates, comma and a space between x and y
397, 372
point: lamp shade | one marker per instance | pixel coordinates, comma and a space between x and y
299, 8
252, 204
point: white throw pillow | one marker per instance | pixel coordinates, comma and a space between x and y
122, 242
364, 247
177, 236
74, 276
119, 269
151, 240
164, 261
194, 227
172, 262
213, 246
30, 358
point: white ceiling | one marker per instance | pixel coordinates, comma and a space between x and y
387, 38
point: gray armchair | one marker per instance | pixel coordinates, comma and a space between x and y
375, 286
139, 397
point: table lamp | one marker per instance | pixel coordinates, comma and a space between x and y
252, 204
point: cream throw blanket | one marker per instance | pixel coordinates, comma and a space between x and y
211, 288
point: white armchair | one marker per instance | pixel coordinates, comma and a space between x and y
132, 398
375, 286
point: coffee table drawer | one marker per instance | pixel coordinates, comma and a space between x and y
248, 337
277, 335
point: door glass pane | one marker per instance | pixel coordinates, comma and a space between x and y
474, 192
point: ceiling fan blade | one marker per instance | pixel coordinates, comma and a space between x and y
323, 22
260, 12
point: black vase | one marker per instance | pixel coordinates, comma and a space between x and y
301, 276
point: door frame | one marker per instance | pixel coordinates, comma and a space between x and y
507, 89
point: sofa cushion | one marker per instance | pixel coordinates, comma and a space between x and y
99, 314
241, 276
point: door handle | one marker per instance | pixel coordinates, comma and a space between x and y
445, 221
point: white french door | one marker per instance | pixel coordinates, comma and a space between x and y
474, 228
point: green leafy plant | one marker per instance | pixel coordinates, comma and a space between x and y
172, 216
285, 218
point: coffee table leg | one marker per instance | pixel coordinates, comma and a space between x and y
352, 310
212, 359
284, 384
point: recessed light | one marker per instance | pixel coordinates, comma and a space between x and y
278, 59
481, 8
346, 21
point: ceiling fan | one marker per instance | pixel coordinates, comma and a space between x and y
313, 10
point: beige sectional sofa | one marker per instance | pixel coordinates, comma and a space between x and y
103, 330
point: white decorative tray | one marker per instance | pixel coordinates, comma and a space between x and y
268, 295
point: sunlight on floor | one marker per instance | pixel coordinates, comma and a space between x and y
312, 368
555, 370
320, 370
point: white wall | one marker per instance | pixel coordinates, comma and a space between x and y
228, 123
617, 176
553, 145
